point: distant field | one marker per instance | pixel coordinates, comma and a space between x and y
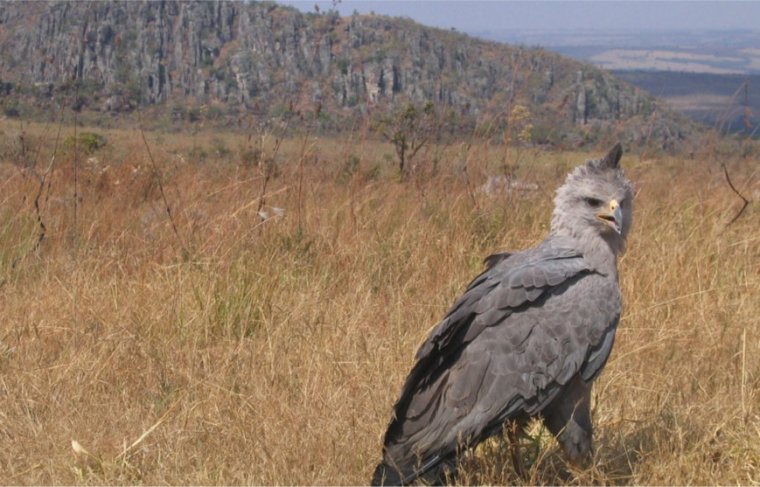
728, 101
243, 310
701, 73
738, 61
697, 51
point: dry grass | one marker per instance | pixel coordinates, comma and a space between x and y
270, 352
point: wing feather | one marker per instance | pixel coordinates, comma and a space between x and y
534, 358
600, 353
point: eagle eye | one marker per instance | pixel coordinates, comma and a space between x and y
593, 202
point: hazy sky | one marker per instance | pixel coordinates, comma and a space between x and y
625, 16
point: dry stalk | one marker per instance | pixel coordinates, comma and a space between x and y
76, 107
301, 161
157, 176
76, 160
269, 162
150, 430
725, 117
466, 162
43, 179
733, 188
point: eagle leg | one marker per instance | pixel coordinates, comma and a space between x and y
568, 417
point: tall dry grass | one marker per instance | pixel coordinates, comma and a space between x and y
269, 351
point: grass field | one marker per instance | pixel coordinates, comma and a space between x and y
208, 345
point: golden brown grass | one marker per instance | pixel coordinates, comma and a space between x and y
242, 350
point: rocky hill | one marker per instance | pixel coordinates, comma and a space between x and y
226, 60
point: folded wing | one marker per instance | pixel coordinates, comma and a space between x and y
505, 348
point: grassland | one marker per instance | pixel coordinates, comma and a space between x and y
208, 345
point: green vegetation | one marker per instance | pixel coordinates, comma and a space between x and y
409, 130
87, 142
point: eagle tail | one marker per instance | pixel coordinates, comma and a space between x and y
434, 471
387, 475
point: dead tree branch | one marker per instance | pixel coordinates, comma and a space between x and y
733, 188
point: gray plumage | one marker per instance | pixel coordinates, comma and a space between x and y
526, 339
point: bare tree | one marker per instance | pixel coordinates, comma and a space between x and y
409, 130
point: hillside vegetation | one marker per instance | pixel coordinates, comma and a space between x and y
224, 309
217, 63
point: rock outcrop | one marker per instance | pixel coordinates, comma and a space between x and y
239, 56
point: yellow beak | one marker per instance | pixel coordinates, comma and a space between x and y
613, 216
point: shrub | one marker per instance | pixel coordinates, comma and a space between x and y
220, 149
194, 114
11, 112
87, 142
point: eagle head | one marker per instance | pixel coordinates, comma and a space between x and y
595, 203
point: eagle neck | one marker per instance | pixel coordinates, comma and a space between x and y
598, 250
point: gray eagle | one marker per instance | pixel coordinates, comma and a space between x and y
526, 339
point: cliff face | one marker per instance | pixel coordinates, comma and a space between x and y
262, 55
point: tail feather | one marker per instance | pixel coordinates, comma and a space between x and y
387, 475
435, 471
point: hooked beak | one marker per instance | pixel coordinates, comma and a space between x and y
612, 216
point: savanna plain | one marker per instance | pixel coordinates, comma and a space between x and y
213, 308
